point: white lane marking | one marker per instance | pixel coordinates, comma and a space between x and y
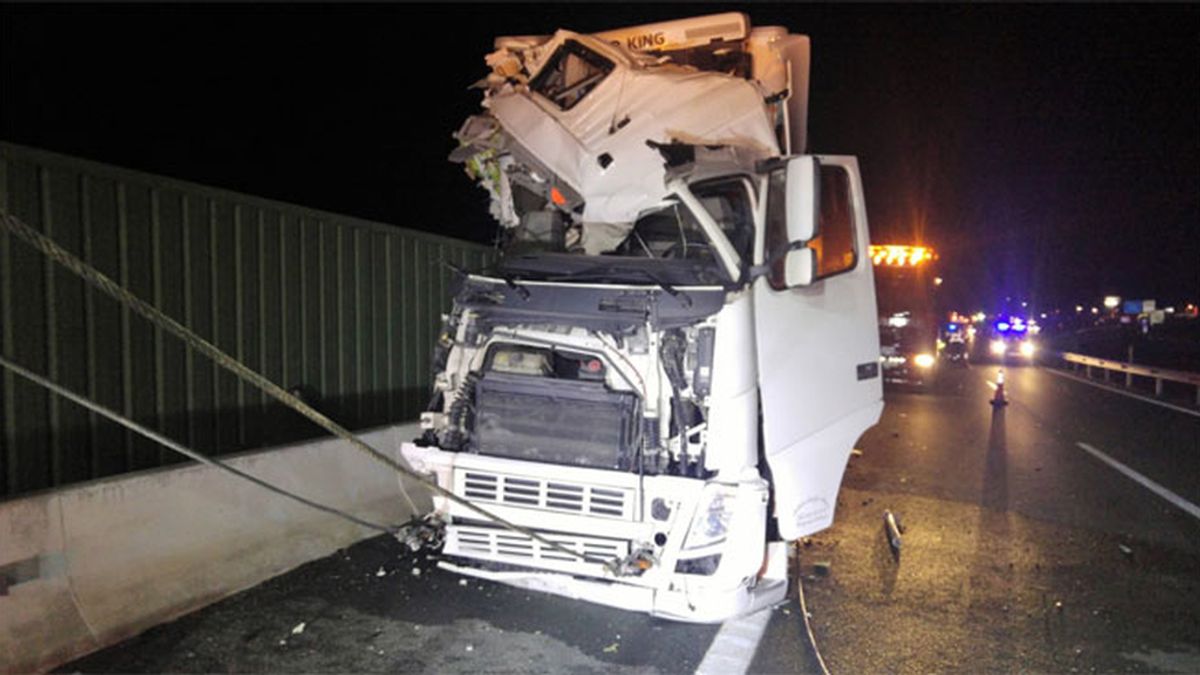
1130, 394
1190, 508
733, 648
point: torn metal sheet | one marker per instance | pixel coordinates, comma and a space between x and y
570, 120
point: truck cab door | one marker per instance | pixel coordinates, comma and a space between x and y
816, 336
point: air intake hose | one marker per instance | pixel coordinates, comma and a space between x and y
457, 418
671, 351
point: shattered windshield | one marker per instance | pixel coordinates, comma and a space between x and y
667, 242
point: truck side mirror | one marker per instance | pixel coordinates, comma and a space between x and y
803, 198
800, 267
803, 207
793, 210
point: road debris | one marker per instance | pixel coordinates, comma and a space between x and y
462, 582
1058, 605
470, 648
298, 628
611, 649
892, 529
1125, 549
382, 572
416, 571
423, 533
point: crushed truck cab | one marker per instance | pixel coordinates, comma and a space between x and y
665, 373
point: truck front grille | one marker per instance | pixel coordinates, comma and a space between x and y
501, 545
540, 493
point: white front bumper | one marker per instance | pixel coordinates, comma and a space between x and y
603, 515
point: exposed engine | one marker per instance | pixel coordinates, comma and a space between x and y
598, 392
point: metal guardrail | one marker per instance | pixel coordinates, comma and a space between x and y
1159, 375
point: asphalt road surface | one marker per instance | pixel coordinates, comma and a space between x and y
1059, 533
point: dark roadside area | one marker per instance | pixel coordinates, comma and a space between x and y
1174, 344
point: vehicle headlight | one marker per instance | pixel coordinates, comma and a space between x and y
998, 347
710, 524
1027, 349
924, 360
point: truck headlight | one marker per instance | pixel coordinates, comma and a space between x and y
710, 523
998, 347
1027, 349
924, 360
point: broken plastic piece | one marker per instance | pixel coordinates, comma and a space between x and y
892, 529
633, 564
423, 533
612, 648
1125, 549
298, 628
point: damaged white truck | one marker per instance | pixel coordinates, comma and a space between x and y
666, 371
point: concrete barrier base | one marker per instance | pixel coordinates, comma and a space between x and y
89, 565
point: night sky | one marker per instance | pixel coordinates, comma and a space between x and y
1048, 152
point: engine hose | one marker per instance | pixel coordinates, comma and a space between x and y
456, 434
671, 354
684, 456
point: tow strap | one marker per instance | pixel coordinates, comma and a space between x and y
181, 449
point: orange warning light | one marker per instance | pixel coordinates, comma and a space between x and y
557, 197
894, 255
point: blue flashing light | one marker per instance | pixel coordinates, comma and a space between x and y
952, 327
1003, 326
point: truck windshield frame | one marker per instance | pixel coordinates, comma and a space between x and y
667, 243
570, 74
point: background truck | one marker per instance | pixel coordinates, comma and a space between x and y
909, 321
661, 381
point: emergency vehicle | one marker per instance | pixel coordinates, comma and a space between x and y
908, 320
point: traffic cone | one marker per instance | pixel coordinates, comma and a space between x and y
999, 399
